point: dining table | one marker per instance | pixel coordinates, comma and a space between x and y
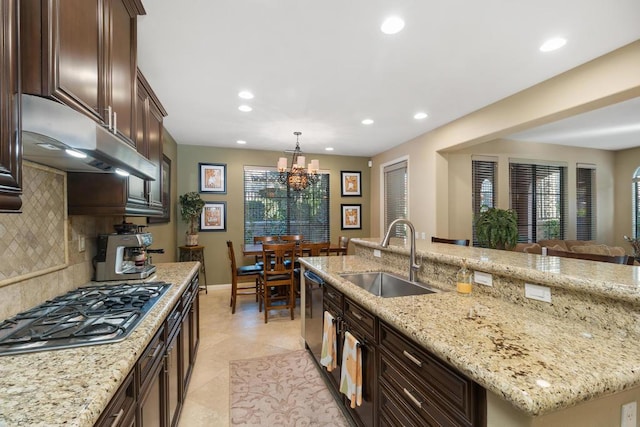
255, 249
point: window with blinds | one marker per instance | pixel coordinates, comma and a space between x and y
395, 196
272, 208
484, 178
636, 204
539, 197
585, 202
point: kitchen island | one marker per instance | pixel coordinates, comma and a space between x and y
73, 386
573, 361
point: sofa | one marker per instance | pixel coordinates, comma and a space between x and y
576, 246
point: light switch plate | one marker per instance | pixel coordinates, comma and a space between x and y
537, 292
482, 278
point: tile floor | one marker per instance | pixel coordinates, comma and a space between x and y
225, 337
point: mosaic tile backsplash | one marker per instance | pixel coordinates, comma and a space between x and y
34, 264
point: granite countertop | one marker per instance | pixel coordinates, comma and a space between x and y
537, 362
71, 387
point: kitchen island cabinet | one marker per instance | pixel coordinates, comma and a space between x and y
10, 132
571, 362
74, 386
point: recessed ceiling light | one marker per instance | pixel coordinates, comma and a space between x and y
241, 141
392, 25
245, 94
421, 115
367, 122
553, 44
329, 149
245, 108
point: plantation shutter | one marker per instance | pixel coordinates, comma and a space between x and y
395, 196
585, 202
484, 172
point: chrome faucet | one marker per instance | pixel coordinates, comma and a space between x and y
413, 266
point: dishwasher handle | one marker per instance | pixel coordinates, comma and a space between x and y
313, 277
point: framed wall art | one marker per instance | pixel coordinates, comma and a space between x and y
351, 217
166, 193
350, 183
213, 178
214, 216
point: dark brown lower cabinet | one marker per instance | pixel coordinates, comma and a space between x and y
154, 391
403, 384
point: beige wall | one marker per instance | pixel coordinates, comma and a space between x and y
216, 259
459, 178
606, 80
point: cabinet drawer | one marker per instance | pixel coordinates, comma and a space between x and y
360, 318
121, 409
152, 355
333, 296
450, 387
413, 394
393, 411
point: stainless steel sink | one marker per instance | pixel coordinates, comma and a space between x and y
387, 285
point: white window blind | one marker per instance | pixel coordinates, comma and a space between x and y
539, 197
395, 196
586, 202
272, 208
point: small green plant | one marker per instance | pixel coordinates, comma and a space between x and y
190, 209
497, 228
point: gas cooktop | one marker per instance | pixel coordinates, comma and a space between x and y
86, 316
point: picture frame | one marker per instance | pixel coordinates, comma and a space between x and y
165, 173
350, 184
351, 217
212, 178
214, 217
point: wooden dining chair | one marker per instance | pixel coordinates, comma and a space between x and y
460, 242
261, 240
241, 276
343, 243
276, 282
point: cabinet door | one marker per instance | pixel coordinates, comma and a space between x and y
174, 376
152, 397
10, 135
122, 65
154, 142
186, 348
364, 414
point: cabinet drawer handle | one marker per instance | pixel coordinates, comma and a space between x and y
413, 399
356, 315
412, 358
115, 122
332, 295
119, 415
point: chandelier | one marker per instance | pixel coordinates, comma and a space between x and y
300, 176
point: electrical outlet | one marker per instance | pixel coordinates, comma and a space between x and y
482, 278
628, 414
424, 235
537, 292
376, 253
81, 243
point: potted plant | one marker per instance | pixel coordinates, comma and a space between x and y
190, 209
497, 228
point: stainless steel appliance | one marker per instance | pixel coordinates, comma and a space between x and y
314, 315
123, 257
86, 316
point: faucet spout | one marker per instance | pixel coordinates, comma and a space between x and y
413, 265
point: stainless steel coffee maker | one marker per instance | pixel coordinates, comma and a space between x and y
123, 257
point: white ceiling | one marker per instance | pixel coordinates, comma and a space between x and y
320, 67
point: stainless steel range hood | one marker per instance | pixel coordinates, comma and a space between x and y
48, 128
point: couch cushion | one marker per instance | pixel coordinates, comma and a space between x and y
520, 247
552, 243
570, 244
534, 248
616, 251
592, 249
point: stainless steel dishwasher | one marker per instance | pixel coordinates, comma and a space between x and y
314, 314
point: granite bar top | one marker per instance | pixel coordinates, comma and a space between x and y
538, 362
71, 387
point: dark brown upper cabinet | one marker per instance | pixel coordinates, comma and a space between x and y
83, 53
10, 135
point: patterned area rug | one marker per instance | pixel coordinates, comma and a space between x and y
281, 390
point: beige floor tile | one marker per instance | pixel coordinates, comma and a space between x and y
225, 337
